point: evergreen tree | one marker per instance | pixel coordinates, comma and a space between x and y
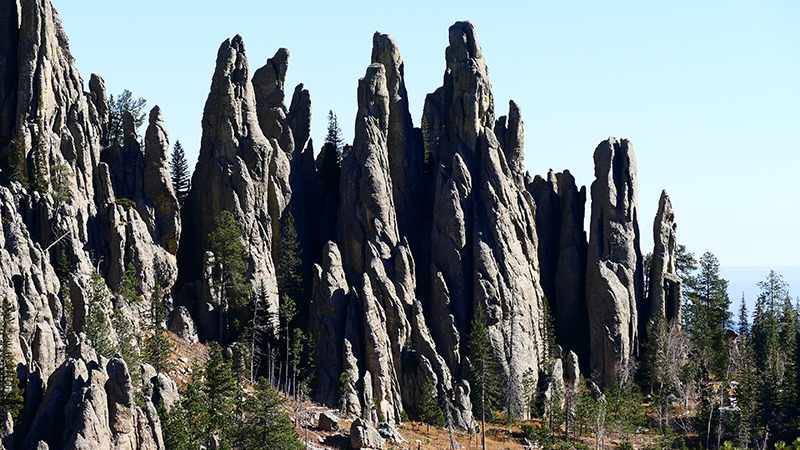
583, 406
17, 162
260, 325
117, 108
552, 352
184, 427
554, 409
264, 424
656, 367
130, 284
61, 180
286, 311
10, 395
481, 370
230, 267
290, 282
334, 136
297, 354
219, 391
768, 357
158, 348
744, 321
179, 171
97, 326
625, 408
127, 343
530, 392
431, 413
706, 315
39, 155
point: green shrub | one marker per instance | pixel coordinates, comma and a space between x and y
126, 203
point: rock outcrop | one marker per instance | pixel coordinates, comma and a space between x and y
234, 172
483, 236
664, 293
89, 404
403, 236
562, 256
614, 279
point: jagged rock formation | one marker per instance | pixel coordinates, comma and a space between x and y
401, 242
614, 279
89, 404
234, 172
483, 236
562, 256
664, 293
402, 140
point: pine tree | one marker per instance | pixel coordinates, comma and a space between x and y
297, 354
431, 413
127, 343
184, 427
744, 321
117, 108
286, 311
39, 156
158, 348
219, 392
706, 315
656, 368
481, 370
10, 395
130, 284
230, 267
179, 171
767, 354
334, 136
61, 180
264, 424
290, 281
625, 407
97, 326
260, 325
17, 162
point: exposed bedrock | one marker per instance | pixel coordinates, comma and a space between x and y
664, 292
483, 235
614, 278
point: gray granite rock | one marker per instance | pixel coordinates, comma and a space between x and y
363, 435
614, 279
664, 293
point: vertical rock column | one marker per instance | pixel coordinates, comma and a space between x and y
614, 279
664, 294
233, 174
483, 235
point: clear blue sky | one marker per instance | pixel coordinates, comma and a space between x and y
708, 92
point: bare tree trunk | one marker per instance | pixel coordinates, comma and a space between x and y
483, 402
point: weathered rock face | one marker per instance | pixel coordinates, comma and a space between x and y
157, 184
562, 256
9, 37
403, 141
233, 173
614, 279
363, 435
28, 281
88, 405
664, 293
483, 236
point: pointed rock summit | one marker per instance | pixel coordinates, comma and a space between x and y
614, 278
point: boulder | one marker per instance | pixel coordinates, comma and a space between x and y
363, 435
328, 422
182, 324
